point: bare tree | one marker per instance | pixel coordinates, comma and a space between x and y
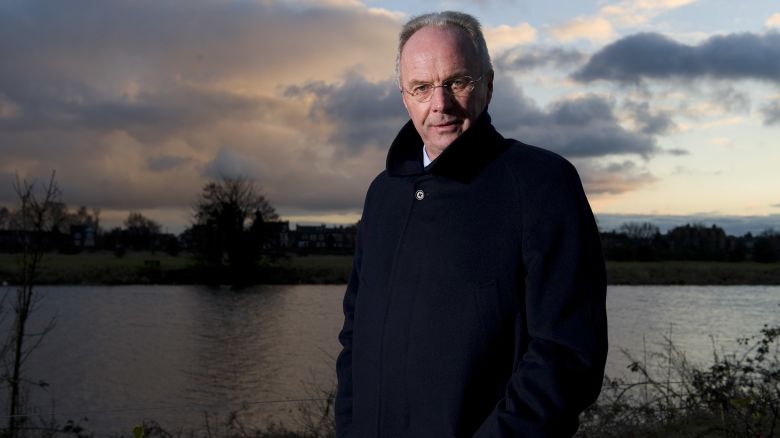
37, 216
229, 228
139, 224
639, 230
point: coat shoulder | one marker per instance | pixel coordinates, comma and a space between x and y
533, 161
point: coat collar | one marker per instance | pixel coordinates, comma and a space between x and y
462, 160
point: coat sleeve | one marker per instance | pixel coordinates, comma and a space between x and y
562, 346
343, 408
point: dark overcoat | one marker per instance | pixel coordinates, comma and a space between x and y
476, 305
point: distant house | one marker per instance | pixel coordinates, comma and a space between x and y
82, 236
320, 238
278, 234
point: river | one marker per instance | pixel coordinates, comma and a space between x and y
120, 355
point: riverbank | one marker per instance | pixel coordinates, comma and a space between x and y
279, 341
158, 268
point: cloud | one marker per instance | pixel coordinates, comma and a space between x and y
528, 58
230, 163
366, 115
638, 12
654, 56
732, 100
164, 163
137, 103
589, 28
676, 152
771, 112
602, 26
773, 21
581, 126
363, 113
649, 122
8, 109
504, 36
613, 178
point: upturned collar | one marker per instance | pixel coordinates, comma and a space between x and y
462, 160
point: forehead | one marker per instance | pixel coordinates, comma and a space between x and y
435, 53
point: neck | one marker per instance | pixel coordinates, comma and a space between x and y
433, 152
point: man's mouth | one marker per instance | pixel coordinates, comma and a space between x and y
445, 124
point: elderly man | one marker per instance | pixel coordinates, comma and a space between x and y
476, 305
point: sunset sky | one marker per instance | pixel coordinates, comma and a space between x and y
669, 109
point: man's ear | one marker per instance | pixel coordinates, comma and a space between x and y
403, 99
489, 83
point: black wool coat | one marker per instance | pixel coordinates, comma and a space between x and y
476, 305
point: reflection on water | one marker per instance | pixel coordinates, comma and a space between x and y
696, 318
119, 355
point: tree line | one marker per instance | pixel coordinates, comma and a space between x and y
233, 225
643, 241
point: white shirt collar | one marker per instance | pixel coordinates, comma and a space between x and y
426, 159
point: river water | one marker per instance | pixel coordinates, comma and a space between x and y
120, 355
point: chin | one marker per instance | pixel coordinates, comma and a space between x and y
441, 143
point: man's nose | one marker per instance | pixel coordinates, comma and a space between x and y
441, 99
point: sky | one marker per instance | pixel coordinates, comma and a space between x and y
669, 109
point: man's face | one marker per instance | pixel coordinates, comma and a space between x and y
433, 55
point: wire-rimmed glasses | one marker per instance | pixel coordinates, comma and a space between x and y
457, 86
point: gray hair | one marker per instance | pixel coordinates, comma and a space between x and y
458, 20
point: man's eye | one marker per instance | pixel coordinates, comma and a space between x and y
458, 83
421, 89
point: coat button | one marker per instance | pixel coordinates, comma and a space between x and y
419, 195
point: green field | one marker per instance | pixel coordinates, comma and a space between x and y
693, 272
160, 268
96, 268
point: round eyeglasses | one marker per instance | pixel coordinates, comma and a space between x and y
457, 86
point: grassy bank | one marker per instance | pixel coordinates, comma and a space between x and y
160, 268
693, 273
737, 395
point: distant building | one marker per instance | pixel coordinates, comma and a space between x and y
82, 236
320, 238
278, 234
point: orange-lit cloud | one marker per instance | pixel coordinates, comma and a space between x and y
504, 36
590, 28
602, 26
773, 21
136, 104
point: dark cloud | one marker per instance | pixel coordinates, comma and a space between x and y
585, 126
655, 56
732, 100
771, 112
164, 163
136, 103
612, 178
364, 113
676, 152
367, 113
230, 163
584, 129
650, 122
528, 58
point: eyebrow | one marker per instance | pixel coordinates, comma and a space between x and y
448, 78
